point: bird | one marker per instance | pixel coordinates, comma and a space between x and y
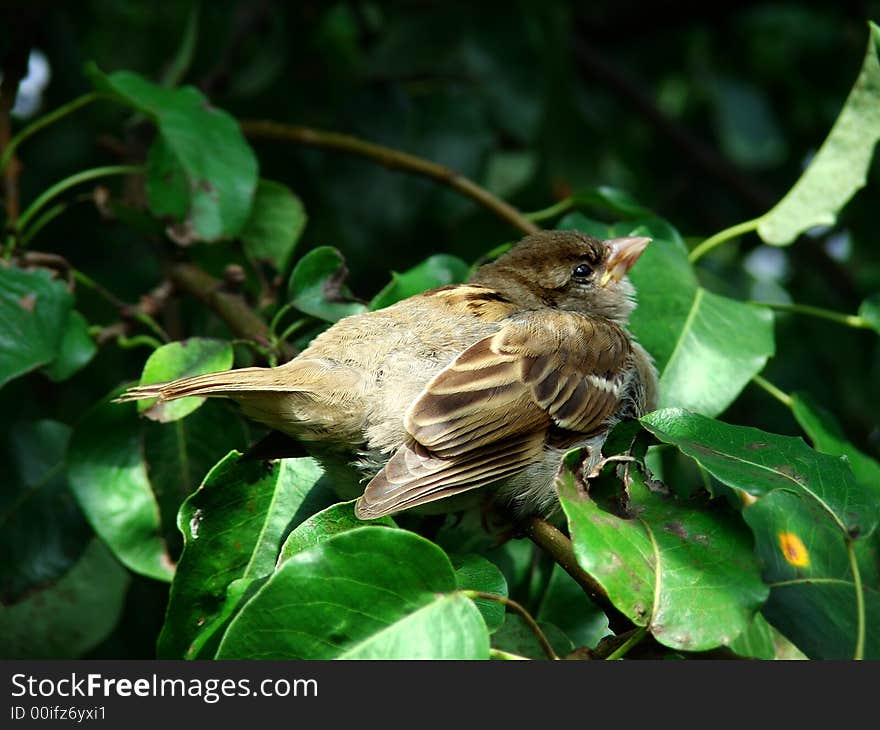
485, 384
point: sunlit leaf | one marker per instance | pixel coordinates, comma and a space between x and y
109, 478
839, 168
437, 270
194, 356
233, 528
368, 593
685, 571
317, 286
200, 169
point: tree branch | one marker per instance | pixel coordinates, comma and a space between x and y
231, 308
392, 159
560, 549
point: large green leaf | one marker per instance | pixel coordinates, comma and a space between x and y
42, 530
686, 572
706, 347
757, 462
840, 167
34, 311
438, 270
75, 350
317, 286
828, 437
232, 528
67, 618
815, 599
109, 478
275, 224
200, 169
369, 593
194, 356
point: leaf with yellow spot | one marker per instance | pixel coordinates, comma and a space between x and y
794, 550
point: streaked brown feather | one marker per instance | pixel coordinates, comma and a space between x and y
487, 414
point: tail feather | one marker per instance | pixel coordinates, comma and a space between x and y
226, 383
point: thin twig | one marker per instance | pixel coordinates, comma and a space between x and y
392, 159
522, 613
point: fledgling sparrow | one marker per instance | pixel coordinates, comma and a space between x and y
464, 386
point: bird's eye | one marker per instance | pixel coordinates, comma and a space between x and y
581, 271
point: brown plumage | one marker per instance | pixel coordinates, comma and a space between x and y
485, 383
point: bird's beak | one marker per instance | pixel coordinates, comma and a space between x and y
624, 253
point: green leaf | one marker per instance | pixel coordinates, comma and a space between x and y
194, 356
870, 312
75, 351
42, 530
179, 455
840, 167
475, 573
66, 619
813, 598
108, 476
756, 641
756, 462
317, 286
323, 525
565, 605
232, 528
275, 225
34, 310
706, 347
201, 169
369, 593
438, 270
828, 437
685, 572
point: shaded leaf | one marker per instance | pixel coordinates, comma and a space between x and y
438, 270
233, 528
34, 311
616, 202
42, 530
194, 356
756, 641
828, 437
75, 351
813, 598
870, 312
317, 286
688, 573
476, 573
706, 347
516, 637
66, 619
323, 525
840, 167
369, 593
109, 478
275, 225
565, 605
200, 169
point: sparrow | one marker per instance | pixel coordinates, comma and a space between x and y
483, 384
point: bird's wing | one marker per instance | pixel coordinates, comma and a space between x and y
486, 415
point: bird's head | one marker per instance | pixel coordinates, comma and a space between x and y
568, 270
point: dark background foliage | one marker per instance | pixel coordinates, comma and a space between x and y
706, 114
